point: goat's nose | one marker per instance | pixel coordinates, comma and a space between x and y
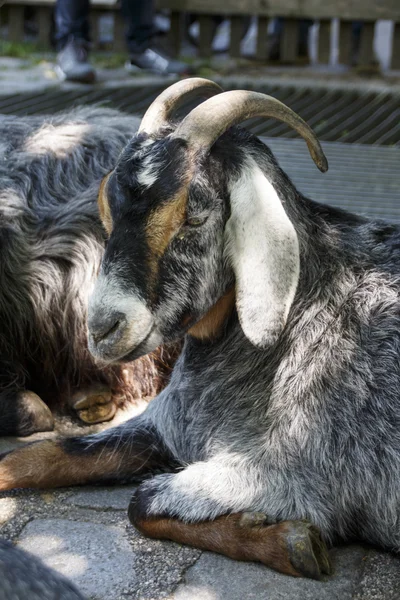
105, 326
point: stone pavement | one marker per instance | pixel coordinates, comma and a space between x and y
84, 533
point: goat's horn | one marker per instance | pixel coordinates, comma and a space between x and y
208, 121
172, 98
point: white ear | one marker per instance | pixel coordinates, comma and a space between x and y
264, 251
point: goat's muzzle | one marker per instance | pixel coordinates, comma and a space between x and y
120, 325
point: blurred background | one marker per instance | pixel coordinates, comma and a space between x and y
335, 63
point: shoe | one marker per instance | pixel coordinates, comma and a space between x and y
72, 62
153, 61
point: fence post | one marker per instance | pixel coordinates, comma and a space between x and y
262, 38
94, 27
289, 41
207, 28
175, 32
345, 42
366, 52
44, 24
324, 41
119, 33
236, 36
15, 23
395, 63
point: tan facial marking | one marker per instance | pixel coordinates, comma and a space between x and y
104, 207
162, 225
210, 325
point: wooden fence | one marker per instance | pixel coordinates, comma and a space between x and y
292, 11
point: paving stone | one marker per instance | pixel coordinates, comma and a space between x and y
97, 558
381, 578
215, 577
115, 498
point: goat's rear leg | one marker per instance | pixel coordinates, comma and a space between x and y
125, 453
22, 413
205, 505
291, 547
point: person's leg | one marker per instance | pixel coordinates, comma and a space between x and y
140, 31
139, 17
71, 17
72, 36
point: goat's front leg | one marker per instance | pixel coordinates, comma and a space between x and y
206, 507
125, 453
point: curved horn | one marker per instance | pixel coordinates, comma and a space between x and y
207, 122
172, 98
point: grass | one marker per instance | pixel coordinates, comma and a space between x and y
112, 60
19, 49
34, 54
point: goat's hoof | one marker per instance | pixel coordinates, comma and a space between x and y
35, 415
94, 405
308, 553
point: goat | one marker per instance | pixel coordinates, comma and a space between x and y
279, 431
51, 241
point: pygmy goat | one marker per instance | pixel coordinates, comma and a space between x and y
51, 243
282, 415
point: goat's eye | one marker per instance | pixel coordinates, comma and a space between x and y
195, 221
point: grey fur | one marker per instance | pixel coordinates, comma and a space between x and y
309, 427
51, 243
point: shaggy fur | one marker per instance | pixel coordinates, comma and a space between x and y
51, 242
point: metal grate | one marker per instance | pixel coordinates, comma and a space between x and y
348, 116
362, 179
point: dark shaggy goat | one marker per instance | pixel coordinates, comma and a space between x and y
284, 404
51, 242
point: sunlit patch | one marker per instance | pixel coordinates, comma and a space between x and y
57, 139
93, 556
148, 174
55, 553
8, 509
12, 205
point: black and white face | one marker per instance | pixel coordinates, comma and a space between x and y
188, 235
196, 225
163, 267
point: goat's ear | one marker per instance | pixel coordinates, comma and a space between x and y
263, 248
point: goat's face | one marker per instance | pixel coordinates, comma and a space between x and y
163, 267
187, 226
